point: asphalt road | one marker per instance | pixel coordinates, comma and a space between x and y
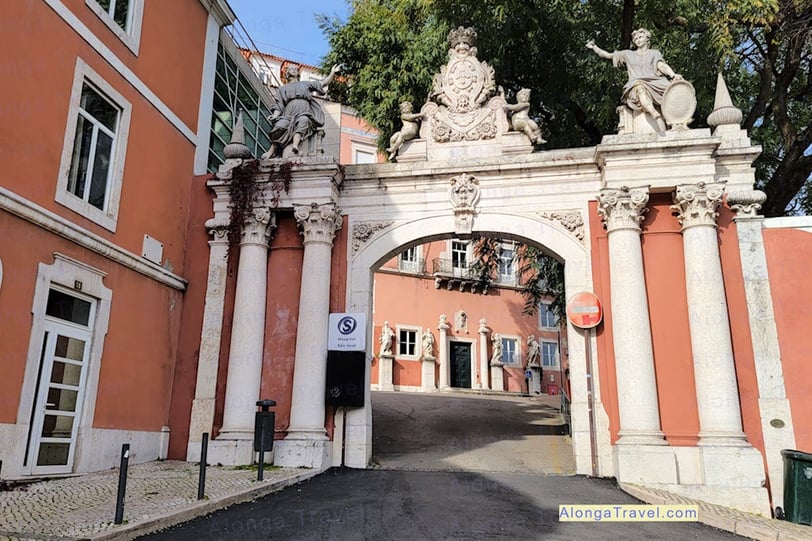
445, 467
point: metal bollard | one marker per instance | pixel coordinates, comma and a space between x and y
122, 483
201, 479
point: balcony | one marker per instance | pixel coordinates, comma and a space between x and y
452, 277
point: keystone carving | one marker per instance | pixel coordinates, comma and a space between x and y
464, 195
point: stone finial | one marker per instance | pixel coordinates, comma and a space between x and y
724, 112
236, 148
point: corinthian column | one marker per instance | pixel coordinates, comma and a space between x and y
247, 328
622, 212
717, 392
306, 442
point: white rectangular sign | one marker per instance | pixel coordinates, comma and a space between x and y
348, 332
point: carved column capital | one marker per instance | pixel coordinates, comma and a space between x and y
696, 204
319, 223
258, 227
217, 230
623, 208
747, 203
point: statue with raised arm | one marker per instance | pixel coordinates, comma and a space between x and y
296, 115
409, 130
520, 117
648, 73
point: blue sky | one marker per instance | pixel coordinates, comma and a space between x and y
287, 28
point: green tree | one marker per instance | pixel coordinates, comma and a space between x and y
392, 48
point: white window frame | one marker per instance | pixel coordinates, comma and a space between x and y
364, 148
517, 355
108, 217
507, 279
67, 273
541, 316
460, 271
130, 36
554, 345
418, 333
407, 265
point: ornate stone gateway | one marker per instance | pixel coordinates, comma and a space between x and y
589, 207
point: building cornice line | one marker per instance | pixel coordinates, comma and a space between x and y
33, 213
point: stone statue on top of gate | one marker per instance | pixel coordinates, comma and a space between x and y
654, 95
466, 115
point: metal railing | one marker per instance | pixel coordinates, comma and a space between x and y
444, 267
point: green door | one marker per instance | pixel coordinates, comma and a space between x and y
461, 365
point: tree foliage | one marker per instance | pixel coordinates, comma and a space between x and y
392, 48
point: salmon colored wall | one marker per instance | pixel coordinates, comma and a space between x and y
353, 122
133, 392
788, 267
740, 333
196, 272
158, 160
668, 309
282, 317
170, 55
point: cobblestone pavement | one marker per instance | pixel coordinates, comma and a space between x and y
159, 494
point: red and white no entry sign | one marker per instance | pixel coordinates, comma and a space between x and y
584, 310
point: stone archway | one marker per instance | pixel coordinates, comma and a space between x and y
389, 239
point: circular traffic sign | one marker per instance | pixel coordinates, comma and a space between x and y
584, 310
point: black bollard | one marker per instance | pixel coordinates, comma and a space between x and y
122, 483
201, 479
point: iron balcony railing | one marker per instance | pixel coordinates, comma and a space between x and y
445, 268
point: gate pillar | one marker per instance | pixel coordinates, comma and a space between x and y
306, 444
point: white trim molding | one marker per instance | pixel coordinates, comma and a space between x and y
107, 217
33, 213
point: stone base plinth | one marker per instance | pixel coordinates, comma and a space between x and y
385, 372
427, 374
645, 464
225, 452
497, 378
303, 453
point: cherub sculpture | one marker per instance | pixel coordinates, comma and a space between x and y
409, 130
520, 118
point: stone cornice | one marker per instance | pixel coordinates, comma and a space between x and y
696, 204
33, 213
623, 208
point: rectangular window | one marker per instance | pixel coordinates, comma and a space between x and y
407, 342
119, 10
549, 354
507, 267
509, 350
547, 318
409, 261
459, 258
93, 155
362, 156
122, 17
93, 148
